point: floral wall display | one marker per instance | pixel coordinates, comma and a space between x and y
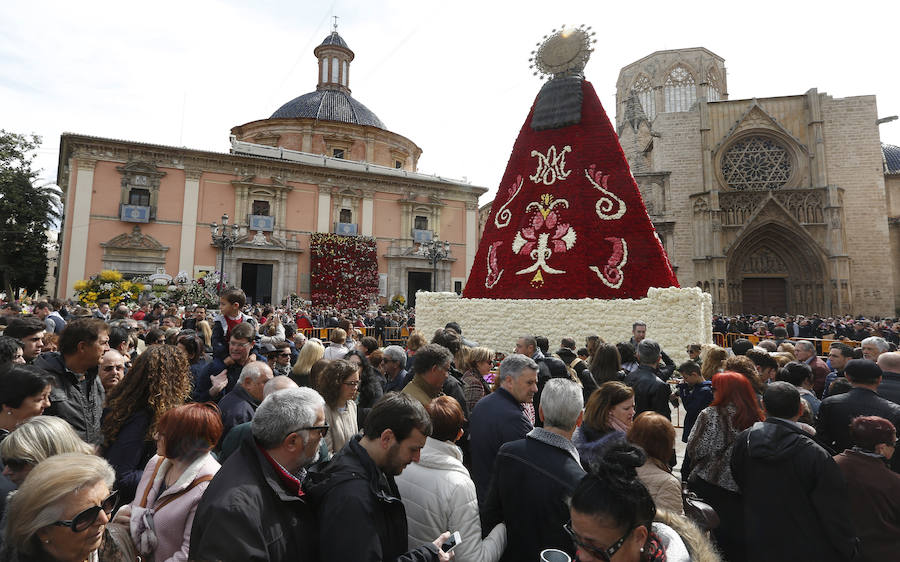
108, 287
675, 318
343, 270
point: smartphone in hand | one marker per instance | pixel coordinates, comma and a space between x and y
451, 543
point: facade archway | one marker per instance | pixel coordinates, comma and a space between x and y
775, 269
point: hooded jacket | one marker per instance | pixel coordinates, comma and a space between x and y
356, 500
795, 498
220, 328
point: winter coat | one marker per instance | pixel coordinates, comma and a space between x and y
650, 393
533, 478
203, 384
237, 407
360, 514
694, 398
836, 412
278, 337
795, 498
698, 545
248, 514
439, 495
169, 526
129, 453
343, 426
79, 403
334, 352
220, 328
710, 446
664, 487
889, 389
874, 503
592, 444
497, 419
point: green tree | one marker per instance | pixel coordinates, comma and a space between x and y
27, 209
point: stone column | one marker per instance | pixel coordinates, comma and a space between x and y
471, 234
366, 216
81, 220
189, 221
323, 222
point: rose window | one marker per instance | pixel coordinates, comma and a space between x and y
757, 163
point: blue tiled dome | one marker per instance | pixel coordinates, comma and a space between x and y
891, 158
329, 105
335, 39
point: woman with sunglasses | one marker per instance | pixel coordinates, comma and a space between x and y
62, 511
162, 513
338, 385
614, 518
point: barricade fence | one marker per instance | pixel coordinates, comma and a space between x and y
822, 346
385, 336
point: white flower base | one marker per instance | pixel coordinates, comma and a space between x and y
674, 317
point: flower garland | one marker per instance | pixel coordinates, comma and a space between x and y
108, 286
343, 270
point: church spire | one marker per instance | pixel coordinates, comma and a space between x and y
334, 62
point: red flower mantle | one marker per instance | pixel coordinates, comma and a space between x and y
344, 270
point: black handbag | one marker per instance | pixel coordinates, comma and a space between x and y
698, 511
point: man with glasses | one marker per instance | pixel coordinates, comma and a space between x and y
112, 369
220, 376
279, 357
360, 514
533, 477
431, 367
254, 508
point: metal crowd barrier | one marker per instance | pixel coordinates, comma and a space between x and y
385, 336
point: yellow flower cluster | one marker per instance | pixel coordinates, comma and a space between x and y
107, 286
108, 275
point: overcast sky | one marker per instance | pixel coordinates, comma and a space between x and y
451, 76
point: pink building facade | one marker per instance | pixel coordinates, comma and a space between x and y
322, 163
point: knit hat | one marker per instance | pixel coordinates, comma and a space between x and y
568, 220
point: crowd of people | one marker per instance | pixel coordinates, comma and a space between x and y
176, 434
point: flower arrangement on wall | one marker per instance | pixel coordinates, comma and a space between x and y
109, 287
343, 270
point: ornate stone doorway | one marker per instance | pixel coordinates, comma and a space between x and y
775, 269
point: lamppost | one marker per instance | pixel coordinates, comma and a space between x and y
224, 239
434, 251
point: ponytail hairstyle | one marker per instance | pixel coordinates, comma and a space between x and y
612, 491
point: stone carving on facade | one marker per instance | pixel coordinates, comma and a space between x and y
738, 207
701, 205
805, 206
764, 261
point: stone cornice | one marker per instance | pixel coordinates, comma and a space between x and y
123, 151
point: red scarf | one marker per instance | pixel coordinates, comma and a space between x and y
231, 323
291, 482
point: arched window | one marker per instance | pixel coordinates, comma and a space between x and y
644, 92
713, 85
757, 163
680, 90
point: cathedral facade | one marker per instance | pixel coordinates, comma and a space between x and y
322, 163
772, 205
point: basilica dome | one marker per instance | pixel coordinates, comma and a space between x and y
329, 105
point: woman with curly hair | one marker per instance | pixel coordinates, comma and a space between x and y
158, 381
337, 385
734, 408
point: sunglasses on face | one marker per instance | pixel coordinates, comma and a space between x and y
15, 464
323, 429
88, 517
602, 554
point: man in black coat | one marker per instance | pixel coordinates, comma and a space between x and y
795, 498
239, 405
77, 395
650, 393
499, 417
533, 477
360, 514
836, 412
889, 388
254, 508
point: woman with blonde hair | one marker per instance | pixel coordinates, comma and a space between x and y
713, 362
311, 352
62, 511
338, 385
34, 441
158, 381
205, 331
